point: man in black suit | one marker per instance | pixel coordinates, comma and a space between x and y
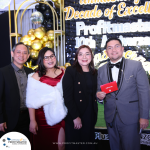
14, 114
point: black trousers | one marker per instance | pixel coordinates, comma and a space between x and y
22, 125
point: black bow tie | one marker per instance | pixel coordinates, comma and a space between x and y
116, 65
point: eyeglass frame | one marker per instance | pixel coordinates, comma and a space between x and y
46, 58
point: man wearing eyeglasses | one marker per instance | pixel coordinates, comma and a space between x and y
14, 114
127, 109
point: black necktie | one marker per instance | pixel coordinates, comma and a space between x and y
116, 65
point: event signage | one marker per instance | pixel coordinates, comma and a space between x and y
92, 22
103, 27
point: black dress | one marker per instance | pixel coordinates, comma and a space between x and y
83, 138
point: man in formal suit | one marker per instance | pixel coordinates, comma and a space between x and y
14, 114
126, 110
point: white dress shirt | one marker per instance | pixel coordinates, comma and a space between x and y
115, 71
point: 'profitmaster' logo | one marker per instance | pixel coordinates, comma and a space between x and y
14, 141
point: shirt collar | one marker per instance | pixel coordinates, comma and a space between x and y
16, 68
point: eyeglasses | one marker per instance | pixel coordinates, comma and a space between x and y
117, 46
47, 57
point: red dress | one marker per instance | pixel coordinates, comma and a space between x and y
47, 136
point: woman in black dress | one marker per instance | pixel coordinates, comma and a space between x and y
79, 89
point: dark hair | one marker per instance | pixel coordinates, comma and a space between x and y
76, 63
20, 43
41, 68
113, 38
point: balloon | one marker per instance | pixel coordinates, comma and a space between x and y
39, 33
37, 17
48, 44
25, 39
50, 35
47, 6
41, 41
49, 25
45, 38
37, 7
58, 12
47, 14
30, 43
36, 45
59, 1
43, 29
54, 0
34, 54
43, 7
67, 65
57, 4
44, 23
30, 32
32, 37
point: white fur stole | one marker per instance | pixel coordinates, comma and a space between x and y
40, 94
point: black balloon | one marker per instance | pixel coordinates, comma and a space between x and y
49, 25
44, 23
43, 7
47, 14
37, 7
58, 12
47, 6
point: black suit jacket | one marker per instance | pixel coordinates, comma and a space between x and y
9, 96
75, 94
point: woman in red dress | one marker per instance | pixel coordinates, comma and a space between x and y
44, 136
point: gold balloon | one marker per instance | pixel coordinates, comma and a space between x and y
22, 39
34, 54
42, 29
30, 48
45, 38
25, 39
41, 41
48, 44
32, 37
36, 45
31, 32
39, 33
67, 65
30, 43
59, 1
50, 35
54, 0
57, 5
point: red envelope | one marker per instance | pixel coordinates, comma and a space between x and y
109, 87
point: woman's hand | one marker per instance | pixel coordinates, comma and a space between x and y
77, 123
33, 127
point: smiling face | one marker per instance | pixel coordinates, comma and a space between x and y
114, 50
49, 60
20, 55
84, 57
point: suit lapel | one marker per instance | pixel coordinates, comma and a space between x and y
120, 76
109, 74
12, 78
